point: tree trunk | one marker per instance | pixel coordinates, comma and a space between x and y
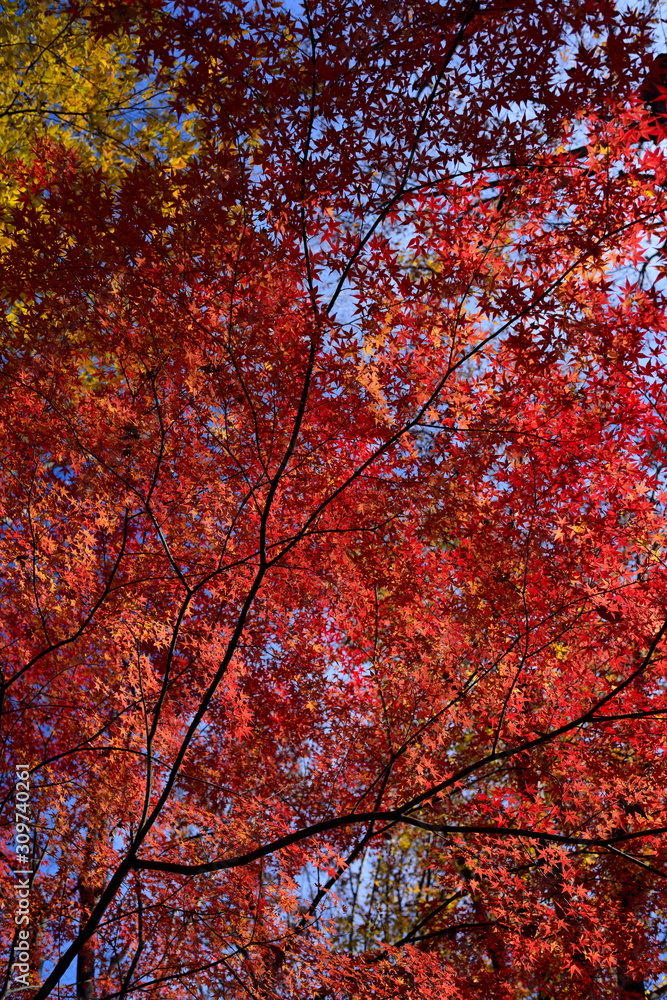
85, 966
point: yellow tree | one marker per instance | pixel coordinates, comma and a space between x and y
62, 86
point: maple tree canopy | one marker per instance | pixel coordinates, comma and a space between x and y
333, 429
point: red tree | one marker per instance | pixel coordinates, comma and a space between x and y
334, 514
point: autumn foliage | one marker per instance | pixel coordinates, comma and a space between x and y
333, 436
